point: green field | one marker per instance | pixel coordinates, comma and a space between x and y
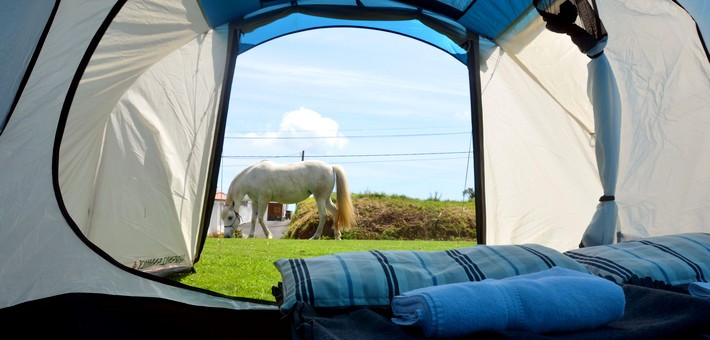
244, 267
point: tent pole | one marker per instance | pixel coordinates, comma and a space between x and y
218, 141
474, 81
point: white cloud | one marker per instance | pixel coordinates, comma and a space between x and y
301, 129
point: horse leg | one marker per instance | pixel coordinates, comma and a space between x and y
254, 212
321, 218
334, 212
263, 206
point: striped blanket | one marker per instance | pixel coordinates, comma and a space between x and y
670, 261
373, 278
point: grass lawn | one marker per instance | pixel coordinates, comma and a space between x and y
244, 267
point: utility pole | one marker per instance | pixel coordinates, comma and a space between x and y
303, 153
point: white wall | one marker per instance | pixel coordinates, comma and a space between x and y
216, 224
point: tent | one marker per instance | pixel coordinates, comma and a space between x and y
112, 116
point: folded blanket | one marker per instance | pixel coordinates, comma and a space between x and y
700, 289
556, 299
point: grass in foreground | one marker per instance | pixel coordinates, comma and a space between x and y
244, 267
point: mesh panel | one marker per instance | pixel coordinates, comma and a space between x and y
576, 18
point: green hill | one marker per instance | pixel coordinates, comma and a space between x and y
391, 217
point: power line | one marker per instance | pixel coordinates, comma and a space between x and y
343, 136
352, 155
403, 160
363, 129
368, 162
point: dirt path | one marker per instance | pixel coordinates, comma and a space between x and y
278, 228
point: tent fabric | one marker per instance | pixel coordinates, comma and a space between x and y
20, 37
118, 155
112, 136
604, 93
545, 160
300, 22
545, 56
40, 254
661, 188
488, 18
491, 18
549, 170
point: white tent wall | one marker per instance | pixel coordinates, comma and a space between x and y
134, 157
573, 80
26, 153
541, 179
152, 179
120, 59
21, 37
40, 255
664, 78
549, 59
664, 156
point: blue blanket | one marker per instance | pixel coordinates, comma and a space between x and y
556, 299
700, 289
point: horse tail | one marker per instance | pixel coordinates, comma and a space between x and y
345, 215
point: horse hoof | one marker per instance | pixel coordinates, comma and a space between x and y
269, 236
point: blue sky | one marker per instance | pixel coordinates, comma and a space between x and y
364, 94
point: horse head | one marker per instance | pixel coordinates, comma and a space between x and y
230, 215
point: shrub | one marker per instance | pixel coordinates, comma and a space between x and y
394, 217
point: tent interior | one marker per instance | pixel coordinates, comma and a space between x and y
113, 114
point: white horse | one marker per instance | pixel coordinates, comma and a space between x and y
266, 181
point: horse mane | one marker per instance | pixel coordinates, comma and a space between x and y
232, 191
